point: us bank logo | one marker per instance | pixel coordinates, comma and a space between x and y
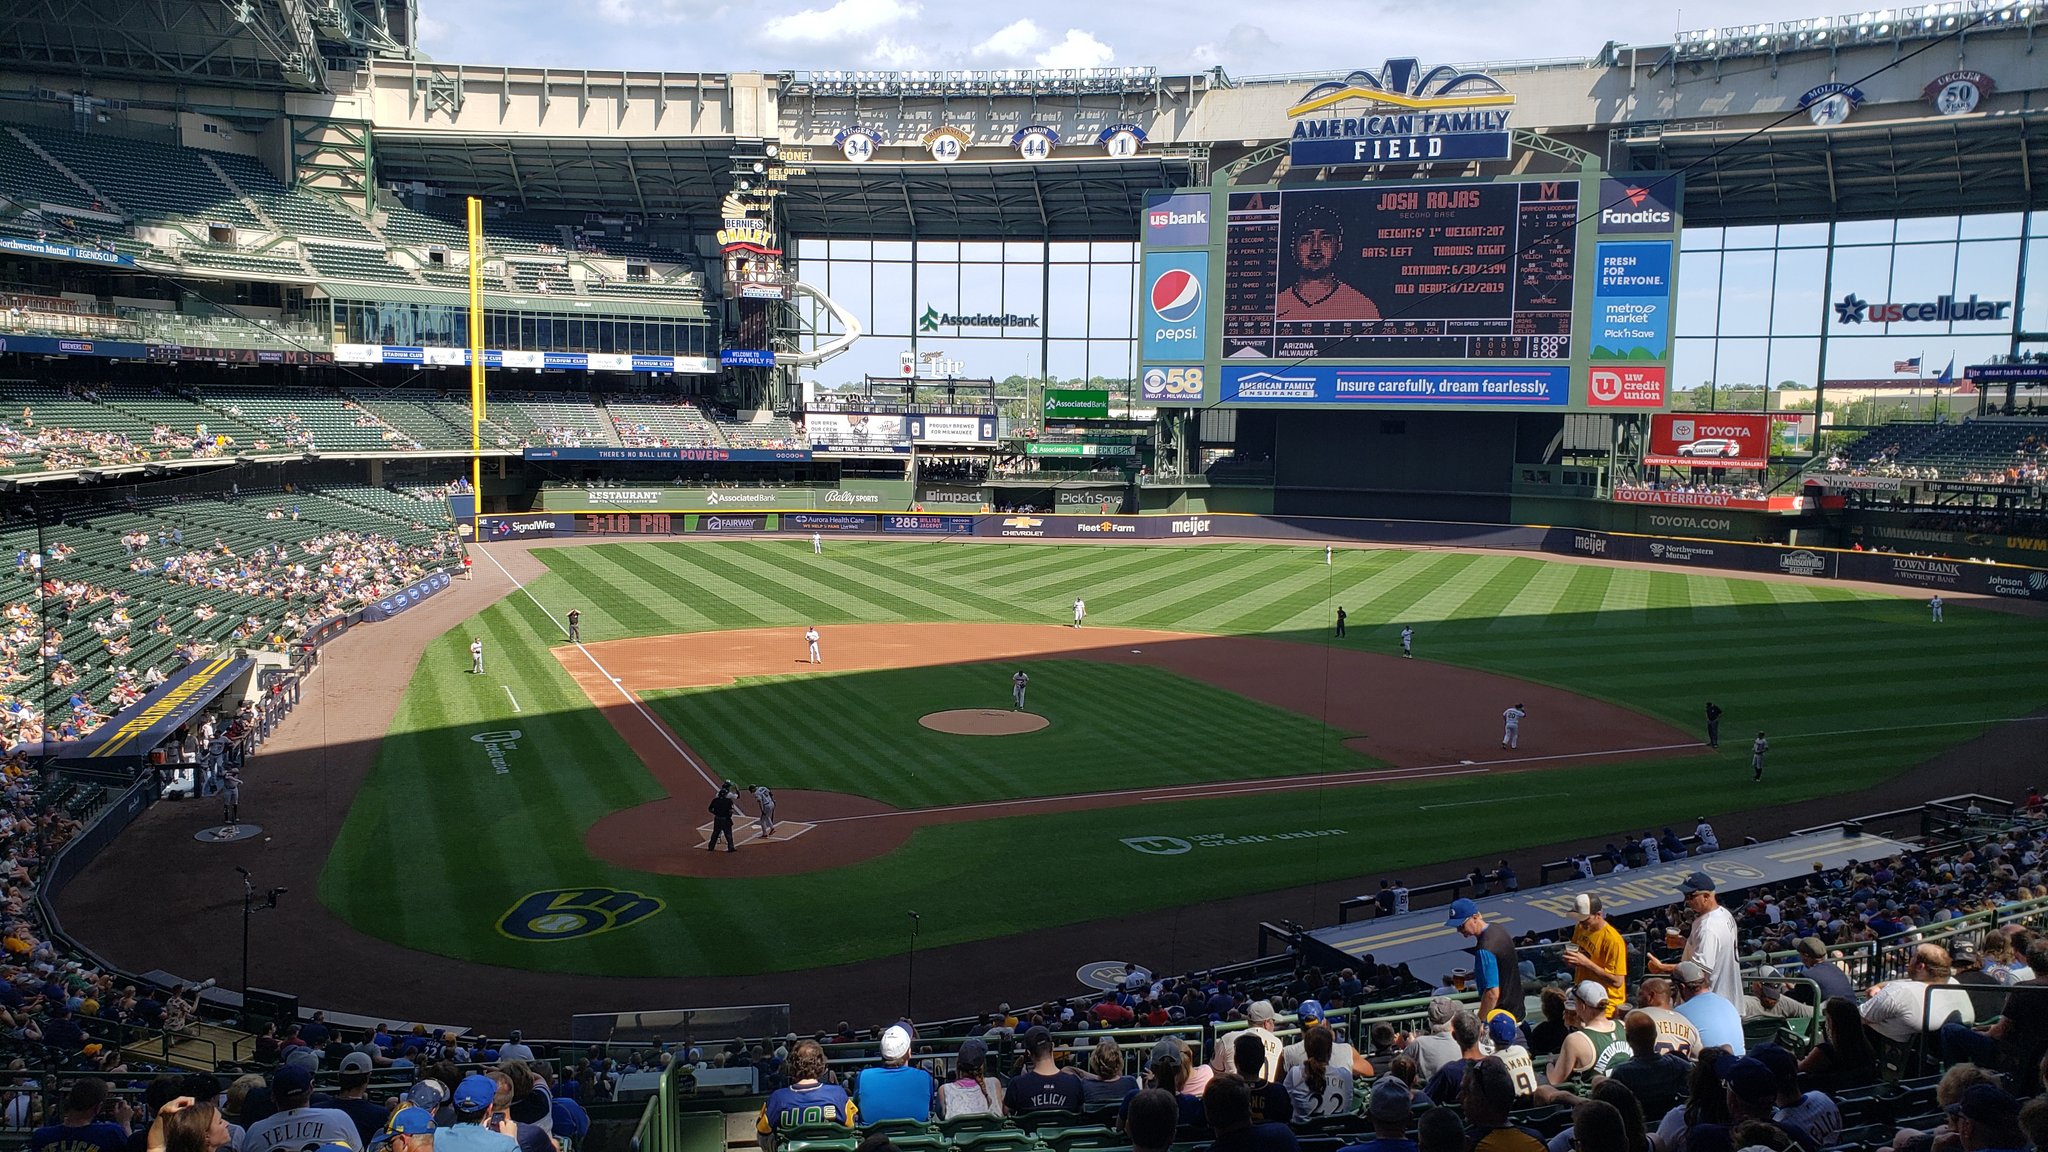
1180, 220
1176, 310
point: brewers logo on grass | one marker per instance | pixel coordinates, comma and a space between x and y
573, 913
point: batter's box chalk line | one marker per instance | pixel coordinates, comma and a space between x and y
751, 833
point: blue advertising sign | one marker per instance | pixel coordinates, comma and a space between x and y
1631, 327
747, 357
1176, 305
1177, 220
1643, 205
1305, 151
50, 251
406, 597
1449, 386
70, 346
1633, 269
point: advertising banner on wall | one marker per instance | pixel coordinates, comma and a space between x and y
1475, 386
1076, 404
1174, 306
1680, 499
854, 429
1710, 440
928, 429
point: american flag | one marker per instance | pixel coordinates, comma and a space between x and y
1912, 365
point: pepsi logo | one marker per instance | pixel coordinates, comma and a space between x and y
1176, 295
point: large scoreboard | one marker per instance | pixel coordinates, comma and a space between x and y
1548, 292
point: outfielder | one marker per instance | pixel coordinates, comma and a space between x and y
765, 799
1408, 642
1934, 606
1080, 610
817, 543
476, 656
1757, 748
1511, 737
811, 638
575, 626
1018, 683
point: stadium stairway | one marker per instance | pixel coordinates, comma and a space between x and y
200, 1048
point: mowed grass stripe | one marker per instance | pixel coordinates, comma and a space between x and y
710, 597
764, 601
830, 587
658, 589
590, 571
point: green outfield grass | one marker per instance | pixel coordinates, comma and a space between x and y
439, 846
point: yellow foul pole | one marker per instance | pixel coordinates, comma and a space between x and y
476, 362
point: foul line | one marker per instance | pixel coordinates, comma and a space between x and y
660, 728
1911, 727
510, 696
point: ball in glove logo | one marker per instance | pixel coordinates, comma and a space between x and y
573, 913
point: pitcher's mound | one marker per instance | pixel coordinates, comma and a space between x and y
983, 722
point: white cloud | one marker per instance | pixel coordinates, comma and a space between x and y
1012, 41
897, 54
845, 19
1078, 50
1244, 47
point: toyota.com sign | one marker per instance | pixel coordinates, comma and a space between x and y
1710, 439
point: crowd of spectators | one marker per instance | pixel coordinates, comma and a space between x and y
952, 470
1743, 491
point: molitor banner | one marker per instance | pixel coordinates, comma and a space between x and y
829, 522
1710, 439
723, 523
405, 598
1177, 220
925, 524
518, 525
1472, 386
929, 429
1175, 306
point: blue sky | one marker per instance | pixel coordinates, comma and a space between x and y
1278, 36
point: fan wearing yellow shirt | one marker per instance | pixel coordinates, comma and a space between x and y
1596, 952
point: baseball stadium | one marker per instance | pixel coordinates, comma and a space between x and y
1022, 610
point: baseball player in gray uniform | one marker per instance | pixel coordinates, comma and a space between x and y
1512, 736
765, 799
1018, 683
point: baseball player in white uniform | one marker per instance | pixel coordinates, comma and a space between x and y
1018, 683
817, 543
1934, 606
1408, 641
1511, 737
1757, 748
765, 799
476, 656
811, 638
1080, 610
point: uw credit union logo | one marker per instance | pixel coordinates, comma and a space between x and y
574, 913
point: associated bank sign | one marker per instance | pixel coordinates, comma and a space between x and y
1407, 114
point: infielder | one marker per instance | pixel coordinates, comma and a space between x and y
811, 638
765, 799
1757, 748
1408, 643
1713, 725
1080, 610
817, 543
1934, 606
575, 626
476, 656
1511, 737
1018, 683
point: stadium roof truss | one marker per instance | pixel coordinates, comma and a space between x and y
245, 43
1073, 200
1897, 168
680, 175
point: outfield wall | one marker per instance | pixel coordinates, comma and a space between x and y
1930, 574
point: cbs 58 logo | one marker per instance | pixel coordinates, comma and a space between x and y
572, 913
1173, 383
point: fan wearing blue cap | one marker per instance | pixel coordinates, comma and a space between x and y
1343, 1055
472, 1101
410, 1129
1494, 961
295, 1123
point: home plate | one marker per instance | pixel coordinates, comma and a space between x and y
1464, 761
1135, 651
750, 833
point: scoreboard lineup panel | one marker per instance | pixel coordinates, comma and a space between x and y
1468, 271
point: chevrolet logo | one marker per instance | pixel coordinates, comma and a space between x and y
1022, 522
